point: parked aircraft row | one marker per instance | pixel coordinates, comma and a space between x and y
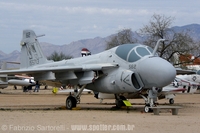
126, 69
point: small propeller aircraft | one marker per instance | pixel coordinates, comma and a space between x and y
178, 86
128, 68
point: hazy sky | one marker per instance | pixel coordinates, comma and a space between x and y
65, 21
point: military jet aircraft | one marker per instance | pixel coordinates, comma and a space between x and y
127, 68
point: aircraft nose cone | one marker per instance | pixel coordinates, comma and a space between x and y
156, 72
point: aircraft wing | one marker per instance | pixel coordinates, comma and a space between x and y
57, 73
39, 70
85, 67
181, 71
172, 89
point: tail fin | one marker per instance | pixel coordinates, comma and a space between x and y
3, 77
31, 52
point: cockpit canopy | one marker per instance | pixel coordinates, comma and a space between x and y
133, 52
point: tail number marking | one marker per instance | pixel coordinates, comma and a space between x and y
34, 62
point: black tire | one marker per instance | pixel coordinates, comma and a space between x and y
171, 101
70, 102
122, 97
147, 108
119, 103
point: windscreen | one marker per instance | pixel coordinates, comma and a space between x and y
133, 52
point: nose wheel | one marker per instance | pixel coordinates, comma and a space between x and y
150, 100
147, 108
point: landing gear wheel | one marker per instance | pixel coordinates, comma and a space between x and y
119, 103
147, 108
71, 102
122, 97
171, 101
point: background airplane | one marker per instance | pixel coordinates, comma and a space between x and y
127, 68
24, 81
190, 77
16, 80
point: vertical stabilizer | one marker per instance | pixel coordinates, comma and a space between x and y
31, 52
4, 66
3, 77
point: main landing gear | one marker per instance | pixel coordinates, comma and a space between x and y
119, 101
71, 101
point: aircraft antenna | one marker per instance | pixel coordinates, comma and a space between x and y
157, 44
40, 35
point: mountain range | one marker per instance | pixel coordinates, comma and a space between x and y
95, 45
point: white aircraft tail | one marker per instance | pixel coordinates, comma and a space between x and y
3, 77
31, 52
